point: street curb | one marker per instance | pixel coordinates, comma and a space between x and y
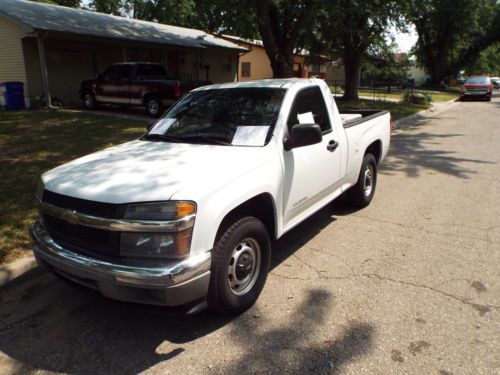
10, 271
434, 110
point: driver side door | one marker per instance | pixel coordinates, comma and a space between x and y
311, 172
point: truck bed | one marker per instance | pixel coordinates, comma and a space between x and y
366, 115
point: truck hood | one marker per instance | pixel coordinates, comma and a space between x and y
142, 171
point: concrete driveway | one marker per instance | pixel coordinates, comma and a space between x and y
409, 285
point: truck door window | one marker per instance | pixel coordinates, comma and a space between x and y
150, 71
310, 100
117, 73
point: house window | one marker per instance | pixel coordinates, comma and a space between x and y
227, 64
245, 69
198, 63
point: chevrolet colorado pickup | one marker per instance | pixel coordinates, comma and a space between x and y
135, 84
186, 213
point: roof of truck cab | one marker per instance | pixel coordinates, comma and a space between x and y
283, 83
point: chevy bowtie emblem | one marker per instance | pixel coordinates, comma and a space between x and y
70, 216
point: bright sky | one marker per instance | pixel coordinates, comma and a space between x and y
405, 40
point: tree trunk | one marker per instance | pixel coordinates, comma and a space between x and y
279, 30
282, 66
352, 65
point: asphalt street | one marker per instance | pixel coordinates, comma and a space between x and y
409, 285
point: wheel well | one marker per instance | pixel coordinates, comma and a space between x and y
260, 207
150, 95
375, 149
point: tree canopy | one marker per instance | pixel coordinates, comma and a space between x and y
453, 33
350, 29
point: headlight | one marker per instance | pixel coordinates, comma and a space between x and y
160, 210
165, 245
39, 190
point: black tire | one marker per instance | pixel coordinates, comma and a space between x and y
488, 99
89, 100
224, 297
154, 106
362, 193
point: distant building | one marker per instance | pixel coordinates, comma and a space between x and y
255, 63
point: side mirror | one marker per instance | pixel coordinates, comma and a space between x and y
303, 135
150, 124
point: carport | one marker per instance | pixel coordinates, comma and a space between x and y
59, 47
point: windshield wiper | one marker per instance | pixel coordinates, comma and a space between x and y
204, 138
161, 137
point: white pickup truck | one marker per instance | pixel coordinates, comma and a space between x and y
185, 214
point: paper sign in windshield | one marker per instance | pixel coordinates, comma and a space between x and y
162, 126
305, 118
250, 135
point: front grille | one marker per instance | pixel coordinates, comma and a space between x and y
93, 208
82, 239
475, 89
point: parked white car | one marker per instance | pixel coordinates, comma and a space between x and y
186, 213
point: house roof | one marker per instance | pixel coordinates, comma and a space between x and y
259, 43
47, 17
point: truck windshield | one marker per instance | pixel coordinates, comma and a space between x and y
234, 116
478, 80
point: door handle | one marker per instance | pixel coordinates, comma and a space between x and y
332, 145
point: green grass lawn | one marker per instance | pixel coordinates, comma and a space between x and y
398, 110
32, 142
442, 96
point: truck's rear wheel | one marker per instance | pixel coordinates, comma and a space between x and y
89, 100
240, 262
362, 193
154, 106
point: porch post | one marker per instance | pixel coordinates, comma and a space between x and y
43, 69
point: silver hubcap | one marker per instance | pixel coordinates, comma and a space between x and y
89, 101
244, 266
153, 107
368, 181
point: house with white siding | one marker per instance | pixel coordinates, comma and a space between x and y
51, 49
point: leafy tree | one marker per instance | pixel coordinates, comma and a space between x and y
353, 28
488, 62
389, 67
115, 7
453, 33
233, 17
279, 23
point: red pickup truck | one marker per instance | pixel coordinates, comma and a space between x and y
477, 87
135, 84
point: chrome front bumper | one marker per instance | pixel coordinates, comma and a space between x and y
171, 284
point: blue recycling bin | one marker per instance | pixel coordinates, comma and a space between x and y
13, 93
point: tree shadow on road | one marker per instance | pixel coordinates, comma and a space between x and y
415, 153
295, 348
48, 325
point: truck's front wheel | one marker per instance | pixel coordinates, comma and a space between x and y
362, 193
240, 262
